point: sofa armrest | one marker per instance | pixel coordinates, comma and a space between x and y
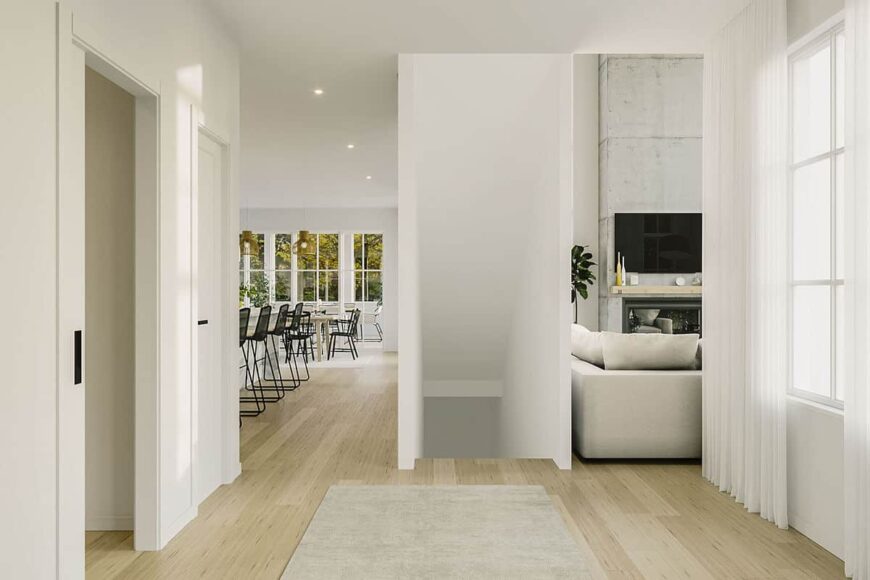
666, 324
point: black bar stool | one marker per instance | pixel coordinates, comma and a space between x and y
259, 403
301, 333
293, 334
276, 333
259, 337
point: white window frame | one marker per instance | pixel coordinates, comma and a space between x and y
826, 35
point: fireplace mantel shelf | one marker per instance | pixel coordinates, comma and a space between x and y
657, 290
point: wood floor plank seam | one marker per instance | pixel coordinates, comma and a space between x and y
630, 520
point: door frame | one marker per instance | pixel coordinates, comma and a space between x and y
225, 301
74, 54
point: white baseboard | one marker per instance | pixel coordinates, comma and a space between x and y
233, 474
815, 533
172, 529
109, 523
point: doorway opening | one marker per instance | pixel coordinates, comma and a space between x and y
109, 343
108, 309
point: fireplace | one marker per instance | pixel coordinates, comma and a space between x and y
662, 315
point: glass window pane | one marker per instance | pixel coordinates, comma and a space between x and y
258, 289
328, 251
242, 289
841, 89
307, 261
257, 260
374, 251
283, 286
811, 355
840, 347
374, 287
840, 227
327, 286
358, 290
283, 252
307, 288
357, 251
811, 230
811, 101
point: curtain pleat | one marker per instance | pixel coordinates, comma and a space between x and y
745, 260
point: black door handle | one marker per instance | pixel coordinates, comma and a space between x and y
77, 373
202, 322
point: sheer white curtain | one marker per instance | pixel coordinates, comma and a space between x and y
745, 259
857, 288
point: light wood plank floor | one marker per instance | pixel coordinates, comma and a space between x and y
641, 520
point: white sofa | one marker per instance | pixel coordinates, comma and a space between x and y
635, 414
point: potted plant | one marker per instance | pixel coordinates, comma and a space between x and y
581, 275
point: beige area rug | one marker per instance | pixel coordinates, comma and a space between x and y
436, 532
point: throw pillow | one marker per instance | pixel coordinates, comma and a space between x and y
586, 345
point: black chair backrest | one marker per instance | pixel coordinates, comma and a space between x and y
263, 324
296, 318
354, 320
244, 320
281, 321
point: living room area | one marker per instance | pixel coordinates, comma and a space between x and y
637, 280
709, 322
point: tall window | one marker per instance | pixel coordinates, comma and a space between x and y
284, 267
317, 273
253, 282
368, 252
817, 76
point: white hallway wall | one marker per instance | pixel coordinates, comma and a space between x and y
815, 434
178, 48
181, 48
286, 220
27, 212
493, 222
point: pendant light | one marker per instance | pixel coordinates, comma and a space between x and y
305, 244
248, 244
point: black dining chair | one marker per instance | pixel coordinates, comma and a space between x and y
346, 329
259, 403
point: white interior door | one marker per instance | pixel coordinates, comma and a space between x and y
71, 306
209, 194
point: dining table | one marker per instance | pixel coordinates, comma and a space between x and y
320, 320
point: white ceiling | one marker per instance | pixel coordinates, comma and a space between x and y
294, 150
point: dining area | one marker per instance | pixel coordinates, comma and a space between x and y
279, 343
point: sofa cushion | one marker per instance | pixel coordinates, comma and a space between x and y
586, 345
649, 351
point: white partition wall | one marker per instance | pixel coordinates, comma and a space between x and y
180, 50
485, 165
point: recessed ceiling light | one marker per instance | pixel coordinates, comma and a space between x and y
350, 145
369, 177
318, 92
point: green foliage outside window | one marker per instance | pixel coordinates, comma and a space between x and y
257, 291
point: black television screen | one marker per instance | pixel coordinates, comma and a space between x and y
660, 243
